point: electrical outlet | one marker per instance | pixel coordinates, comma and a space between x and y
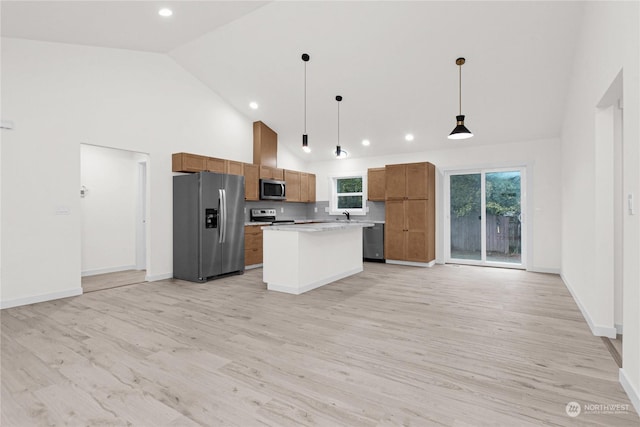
281, 210
315, 209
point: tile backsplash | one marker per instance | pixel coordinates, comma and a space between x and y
288, 210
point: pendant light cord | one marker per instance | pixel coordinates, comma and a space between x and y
305, 97
338, 122
460, 88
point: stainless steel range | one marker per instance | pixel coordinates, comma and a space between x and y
267, 215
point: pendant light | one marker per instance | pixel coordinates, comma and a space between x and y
340, 153
305, 142
460, 131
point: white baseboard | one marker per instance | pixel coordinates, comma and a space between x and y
631, 391
618, 328
310, 286
597, 330
158, 277
15, 302
411, 263
108, 270
251, 267
544, 270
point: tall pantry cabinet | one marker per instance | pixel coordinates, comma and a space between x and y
410, 213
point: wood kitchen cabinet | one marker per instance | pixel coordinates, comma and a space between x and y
292, 180
376, 184
304, 187
268, 172
408, 181
251, 181
252, 245
265, 145
185, 162
233, 168
410, 213
312, 188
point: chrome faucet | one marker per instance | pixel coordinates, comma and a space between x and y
348, 215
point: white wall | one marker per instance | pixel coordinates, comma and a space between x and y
609, 43
109, 208
60, 96
543, 192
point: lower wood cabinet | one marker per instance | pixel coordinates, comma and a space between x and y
409, 231
252, 244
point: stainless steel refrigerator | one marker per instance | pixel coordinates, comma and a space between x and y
208, 226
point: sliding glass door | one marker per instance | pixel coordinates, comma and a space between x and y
484, 217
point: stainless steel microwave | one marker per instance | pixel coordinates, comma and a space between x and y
271, 189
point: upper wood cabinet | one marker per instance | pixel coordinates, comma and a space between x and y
312, 188
376, 184
185, 162
234, 168
251, 181
267, 172
216, 165
292, 180
265, 145
304, 187
409, 181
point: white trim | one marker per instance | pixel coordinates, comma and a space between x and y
107, 270
618, 328
631, 391
411, 263
251, 267
544, 270
333, 196
40, 298
597, 330
158, 277
313, 285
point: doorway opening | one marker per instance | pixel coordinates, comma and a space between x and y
611, 207
114, 193
484, 217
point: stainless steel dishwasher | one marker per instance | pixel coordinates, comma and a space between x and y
373, 243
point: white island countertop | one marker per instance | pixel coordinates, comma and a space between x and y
320, 226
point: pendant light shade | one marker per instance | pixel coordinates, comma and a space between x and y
305, 139
460, 131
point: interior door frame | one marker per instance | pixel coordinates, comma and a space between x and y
483, 222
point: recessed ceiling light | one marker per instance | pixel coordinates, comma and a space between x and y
253, 105
165, 12
409, 137
366, 142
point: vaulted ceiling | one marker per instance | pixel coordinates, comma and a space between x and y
393, 63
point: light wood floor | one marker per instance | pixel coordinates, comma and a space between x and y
392, 346
100, 282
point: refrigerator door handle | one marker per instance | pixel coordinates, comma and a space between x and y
221, 214
224, 210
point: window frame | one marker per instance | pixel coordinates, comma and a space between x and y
333, 194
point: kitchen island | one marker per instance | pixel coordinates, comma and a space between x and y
302, 257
